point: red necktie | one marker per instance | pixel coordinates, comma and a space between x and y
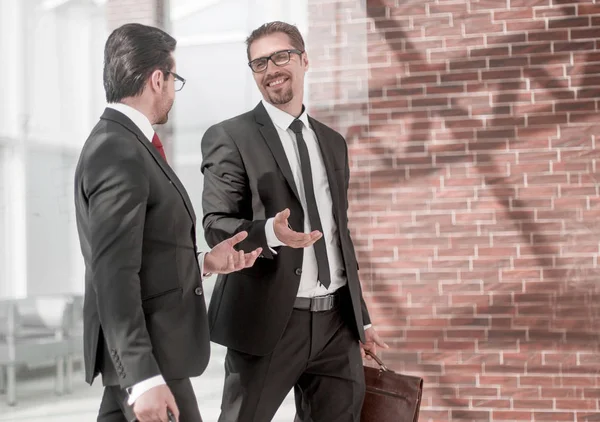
159, 146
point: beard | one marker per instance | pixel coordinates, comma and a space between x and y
167, 104
163, 118
283, 97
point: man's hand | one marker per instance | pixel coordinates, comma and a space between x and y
372, 341
224, 259
152, 405
289, 237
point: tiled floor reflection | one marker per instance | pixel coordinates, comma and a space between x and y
38, 403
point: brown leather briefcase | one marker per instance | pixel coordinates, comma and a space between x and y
390, 397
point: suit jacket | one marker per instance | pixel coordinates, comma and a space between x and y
144, 308
247, 179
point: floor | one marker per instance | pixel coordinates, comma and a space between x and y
37, 401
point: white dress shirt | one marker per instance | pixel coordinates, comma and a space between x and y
309, 285
142, 122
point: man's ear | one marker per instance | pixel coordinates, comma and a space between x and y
157, 80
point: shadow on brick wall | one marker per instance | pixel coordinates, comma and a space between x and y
527, 320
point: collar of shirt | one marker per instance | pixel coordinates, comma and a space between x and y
283, 120
137, 117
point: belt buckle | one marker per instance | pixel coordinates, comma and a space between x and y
324, 303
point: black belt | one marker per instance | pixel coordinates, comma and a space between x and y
320, 303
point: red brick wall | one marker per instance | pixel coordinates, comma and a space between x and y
474, 203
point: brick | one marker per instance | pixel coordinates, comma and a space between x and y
537, 48
429, 102
569, 22
514, 13
474, 26
501, 74
551, 66
573, 46
551, 392
424, 79
588, 417
509, 62
528, 3
554, 416
487, 5
445, 89
588, 9
503, 39
526, 25
592, 33
576, 106
591, 393
473, 415
555, 35
558, 12
468, 64
575, 404
490, 52
511, 415
546, 119
547, 95
463, 76
532, 404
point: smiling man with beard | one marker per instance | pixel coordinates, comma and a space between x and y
297, 319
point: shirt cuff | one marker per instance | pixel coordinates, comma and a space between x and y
203, 274
141, 387
272, 240
366, 327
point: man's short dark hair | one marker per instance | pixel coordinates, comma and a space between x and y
272, 28
132, 52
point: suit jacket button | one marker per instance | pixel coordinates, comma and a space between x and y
298, 271
198, 291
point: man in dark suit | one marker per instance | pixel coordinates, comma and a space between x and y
297, 318
145, 321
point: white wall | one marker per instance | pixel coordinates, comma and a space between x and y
54, 65
4, 244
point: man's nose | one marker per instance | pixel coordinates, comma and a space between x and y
271, 67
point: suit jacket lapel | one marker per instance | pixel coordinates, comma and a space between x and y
123, 120
269, 133
328, 154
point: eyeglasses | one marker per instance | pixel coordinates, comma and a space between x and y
279, 58
179, 81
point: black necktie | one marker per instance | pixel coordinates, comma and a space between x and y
311, 204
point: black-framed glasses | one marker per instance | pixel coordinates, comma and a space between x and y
279, 58
179, 81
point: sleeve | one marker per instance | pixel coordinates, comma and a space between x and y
116, 187
226, 197
365, 312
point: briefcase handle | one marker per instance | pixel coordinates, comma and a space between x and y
379, 361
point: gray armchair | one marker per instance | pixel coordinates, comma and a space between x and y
34, 331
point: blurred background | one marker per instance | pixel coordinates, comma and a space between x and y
474, 201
